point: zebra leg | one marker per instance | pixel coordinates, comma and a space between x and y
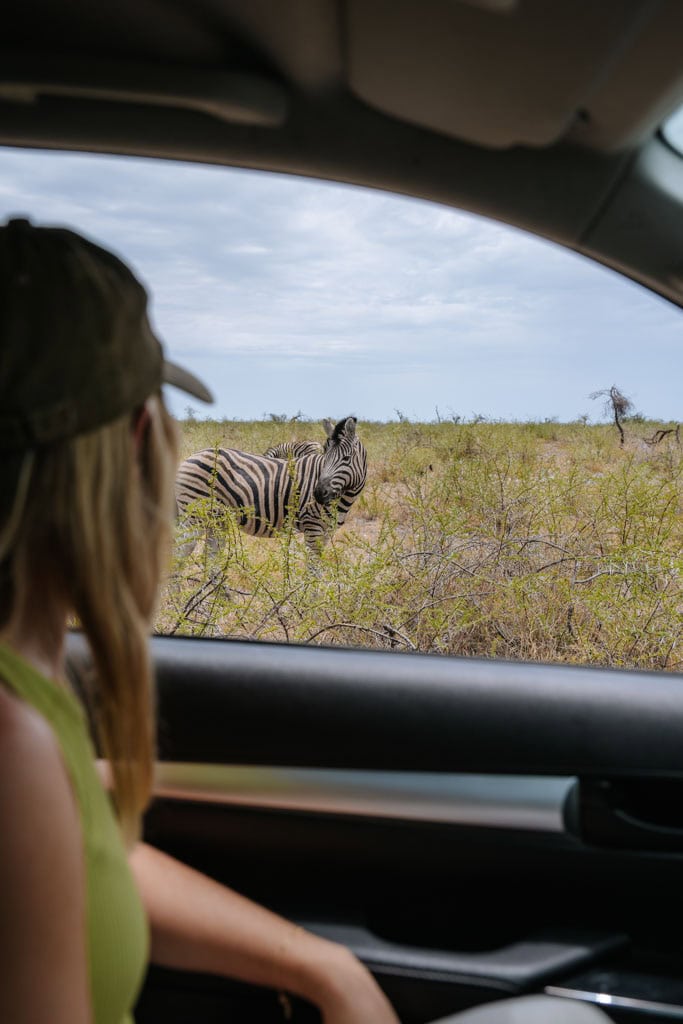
315, 542
214, 542
186, 540
216, 534
191, 532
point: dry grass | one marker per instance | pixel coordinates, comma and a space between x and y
536, 541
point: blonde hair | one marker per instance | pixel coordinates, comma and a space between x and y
89, 530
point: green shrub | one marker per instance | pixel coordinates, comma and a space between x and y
537, 541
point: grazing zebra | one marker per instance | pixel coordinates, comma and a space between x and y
317, 488
295, 449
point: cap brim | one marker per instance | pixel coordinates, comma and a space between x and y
186, 381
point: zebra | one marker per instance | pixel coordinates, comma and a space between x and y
317, 488
295, 449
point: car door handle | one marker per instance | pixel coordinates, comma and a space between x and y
627, 814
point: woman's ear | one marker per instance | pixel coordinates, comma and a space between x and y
141, 422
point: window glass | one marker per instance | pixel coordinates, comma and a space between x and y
519, 407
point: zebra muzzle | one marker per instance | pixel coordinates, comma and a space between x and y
324, 494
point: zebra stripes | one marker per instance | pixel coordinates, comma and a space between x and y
315, 485
293, 449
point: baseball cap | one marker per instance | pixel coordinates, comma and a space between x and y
77, 349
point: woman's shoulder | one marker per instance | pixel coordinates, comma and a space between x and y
39, 815
24, 730
32, 770
42, 891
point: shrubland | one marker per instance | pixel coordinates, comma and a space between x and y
539, 541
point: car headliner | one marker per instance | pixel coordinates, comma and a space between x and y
544, 115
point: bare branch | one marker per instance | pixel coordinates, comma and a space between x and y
363, 629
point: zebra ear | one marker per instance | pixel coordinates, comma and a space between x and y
349, 427
329, 427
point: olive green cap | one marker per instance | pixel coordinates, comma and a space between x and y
77, 349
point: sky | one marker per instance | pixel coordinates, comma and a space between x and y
293, 296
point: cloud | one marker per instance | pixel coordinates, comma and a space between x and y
355, 292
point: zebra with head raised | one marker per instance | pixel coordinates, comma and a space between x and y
315, 489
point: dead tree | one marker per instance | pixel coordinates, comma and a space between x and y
616, 404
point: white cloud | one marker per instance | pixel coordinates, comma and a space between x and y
349, 292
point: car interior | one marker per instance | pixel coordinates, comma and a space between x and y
472, 828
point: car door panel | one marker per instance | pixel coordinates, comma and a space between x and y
432, 908
278, 704
301, 781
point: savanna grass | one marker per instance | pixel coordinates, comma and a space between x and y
539, 541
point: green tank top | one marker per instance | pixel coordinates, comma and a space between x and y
117, 933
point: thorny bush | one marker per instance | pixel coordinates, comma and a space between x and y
538, 541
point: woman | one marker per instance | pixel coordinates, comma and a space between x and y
86, 511
86, 514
